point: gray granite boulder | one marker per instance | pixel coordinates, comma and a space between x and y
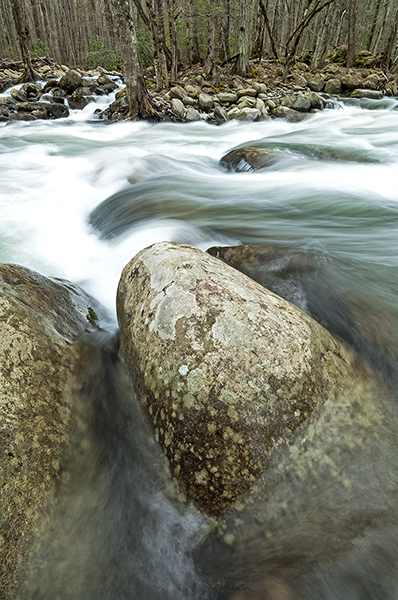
225, 370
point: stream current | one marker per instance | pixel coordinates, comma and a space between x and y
79, 198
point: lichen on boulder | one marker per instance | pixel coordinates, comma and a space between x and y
225, 369
39, 318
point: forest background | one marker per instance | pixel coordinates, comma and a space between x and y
172, 34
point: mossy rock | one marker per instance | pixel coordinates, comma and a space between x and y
39, 318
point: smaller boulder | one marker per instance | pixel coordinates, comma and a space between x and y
351, 82
71, 81
205, 101
302, 104
372, 94
316, 83
177, 92
178, 108
333, 87
192, 114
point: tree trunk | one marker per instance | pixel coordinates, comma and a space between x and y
271, 37
139, 103
192, 34
156, 20
225, 28
372, 30
212, 50
173, 15
23, 35
385, 62
292, 42
242, 65
351, 32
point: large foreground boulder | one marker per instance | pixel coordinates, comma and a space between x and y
39, 317
226, 370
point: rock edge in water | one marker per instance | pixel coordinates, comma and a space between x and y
39, 318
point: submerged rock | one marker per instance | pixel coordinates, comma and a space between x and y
226, 370
250, 158
39, 318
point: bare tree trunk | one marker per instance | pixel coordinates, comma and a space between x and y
173, 15
242, 65
23, 34
271, 37
351, 32
212, 50
372, 30
192, 31
156, 20
293, 41
225, 28
139, 103
390, 43
382, 28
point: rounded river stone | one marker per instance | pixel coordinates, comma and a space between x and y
225, 369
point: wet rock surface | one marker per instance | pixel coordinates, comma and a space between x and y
39, 318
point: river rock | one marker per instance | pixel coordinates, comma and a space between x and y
188, 101
220, 115
71, 81
57, 110
302, 103
39, 317
316, 100
316, 83
248, 91
227, 97
351, 82
249, 158
177, 92
192, 114
78, 99
178, 107
249, 114
372, 94
225, 370
371, 82
247, 102
285, 112
205, 101
333, 86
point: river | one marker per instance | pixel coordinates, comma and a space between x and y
332, 196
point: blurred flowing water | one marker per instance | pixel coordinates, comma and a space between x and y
79, 198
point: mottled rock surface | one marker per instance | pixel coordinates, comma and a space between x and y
250, 158
225, 369
39, 318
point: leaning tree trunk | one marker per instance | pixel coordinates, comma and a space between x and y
139, 103
372, 30
293, 41
21, 26
387, 54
